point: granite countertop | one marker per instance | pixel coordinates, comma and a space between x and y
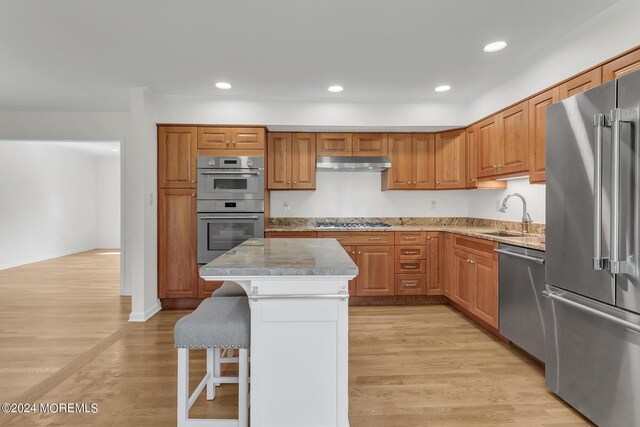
532, 241
282, 257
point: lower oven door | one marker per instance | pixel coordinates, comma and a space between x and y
220, 232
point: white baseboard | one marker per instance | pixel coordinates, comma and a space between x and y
143, 317
45, 257
107, 247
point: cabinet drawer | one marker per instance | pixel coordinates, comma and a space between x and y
411, 266
359, 237
410, 284
290, 234
481, 247
411, 252
411, 238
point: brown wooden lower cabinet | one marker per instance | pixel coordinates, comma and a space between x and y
205, 289
177, 236
484, 289
376, 271
434, 281
353, 253
448, 265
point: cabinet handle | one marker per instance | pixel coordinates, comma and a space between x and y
410, 238
233, 143
375, 238
409, 252
228, 142
410, 267
410, 284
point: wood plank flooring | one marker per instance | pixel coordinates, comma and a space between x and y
65, 338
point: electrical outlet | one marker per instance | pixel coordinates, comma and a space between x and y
434, 205
498, 205
285, 206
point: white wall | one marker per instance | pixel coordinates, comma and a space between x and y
609, 34
48, 202
358, 194
107, 202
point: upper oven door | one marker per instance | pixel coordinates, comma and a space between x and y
230, 184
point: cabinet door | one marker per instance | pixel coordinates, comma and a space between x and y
214, 138
462, 277
488, 147
423, 165
279, 161
352, 251
177, 154
206, 288
450, 160
376, 271
177, 236
435, 244
619, 67
537, 132
484, 294
581, 83
369, 144
303, 161
514, 140
334, 144
471, 161
448, 265
247, 138
398, 177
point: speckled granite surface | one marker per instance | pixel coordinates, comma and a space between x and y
283, 257
473, 227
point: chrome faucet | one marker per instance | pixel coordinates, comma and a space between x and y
526, 219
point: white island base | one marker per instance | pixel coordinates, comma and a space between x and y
299, 347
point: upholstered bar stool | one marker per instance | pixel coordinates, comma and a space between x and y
224, 355
218, 323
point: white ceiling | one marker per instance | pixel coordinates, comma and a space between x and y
85, 54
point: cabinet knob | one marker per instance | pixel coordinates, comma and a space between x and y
294, 182
193, 195
473, 179
288, 182
193, 182
428, 238
360, 252
437, 182
409, 182
414, 183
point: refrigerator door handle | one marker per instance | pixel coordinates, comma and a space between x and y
625, 323
599, 263
616, 264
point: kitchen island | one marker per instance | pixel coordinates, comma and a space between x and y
298, 293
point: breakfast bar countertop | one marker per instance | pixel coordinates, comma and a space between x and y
282, 257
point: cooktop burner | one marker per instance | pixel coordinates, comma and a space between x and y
349, 224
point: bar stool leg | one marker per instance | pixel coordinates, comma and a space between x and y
217, 370
183, 386
211, 387
243, 388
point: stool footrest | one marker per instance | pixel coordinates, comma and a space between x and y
229, 360
198, 390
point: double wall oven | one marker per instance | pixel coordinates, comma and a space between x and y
230, 203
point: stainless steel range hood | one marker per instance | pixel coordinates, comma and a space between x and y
352, 164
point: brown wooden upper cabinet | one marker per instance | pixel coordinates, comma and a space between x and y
219, 138
537, 132
412, 162
291, 159
177, 154
369, 144
450, 160
581, 83
334, 144
515, 140
619, 67
471, 178
502, 143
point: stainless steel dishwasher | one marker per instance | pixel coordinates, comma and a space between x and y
522, 280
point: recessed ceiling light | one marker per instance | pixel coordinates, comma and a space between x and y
115, 150
495, 46
443, 88
223, 85
335, 88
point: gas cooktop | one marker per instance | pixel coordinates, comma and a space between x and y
349, 224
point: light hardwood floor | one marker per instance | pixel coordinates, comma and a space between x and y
64, 337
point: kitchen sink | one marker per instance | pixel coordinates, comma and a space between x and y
505, 234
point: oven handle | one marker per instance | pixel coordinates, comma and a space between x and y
223, 172
255, 217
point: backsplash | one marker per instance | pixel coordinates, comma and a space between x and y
534, 228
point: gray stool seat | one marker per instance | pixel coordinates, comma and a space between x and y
216, 323
229, 289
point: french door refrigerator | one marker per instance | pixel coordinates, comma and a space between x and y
592, 318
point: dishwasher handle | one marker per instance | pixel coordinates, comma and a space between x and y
521, 256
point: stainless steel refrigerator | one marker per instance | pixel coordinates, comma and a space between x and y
592, 317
